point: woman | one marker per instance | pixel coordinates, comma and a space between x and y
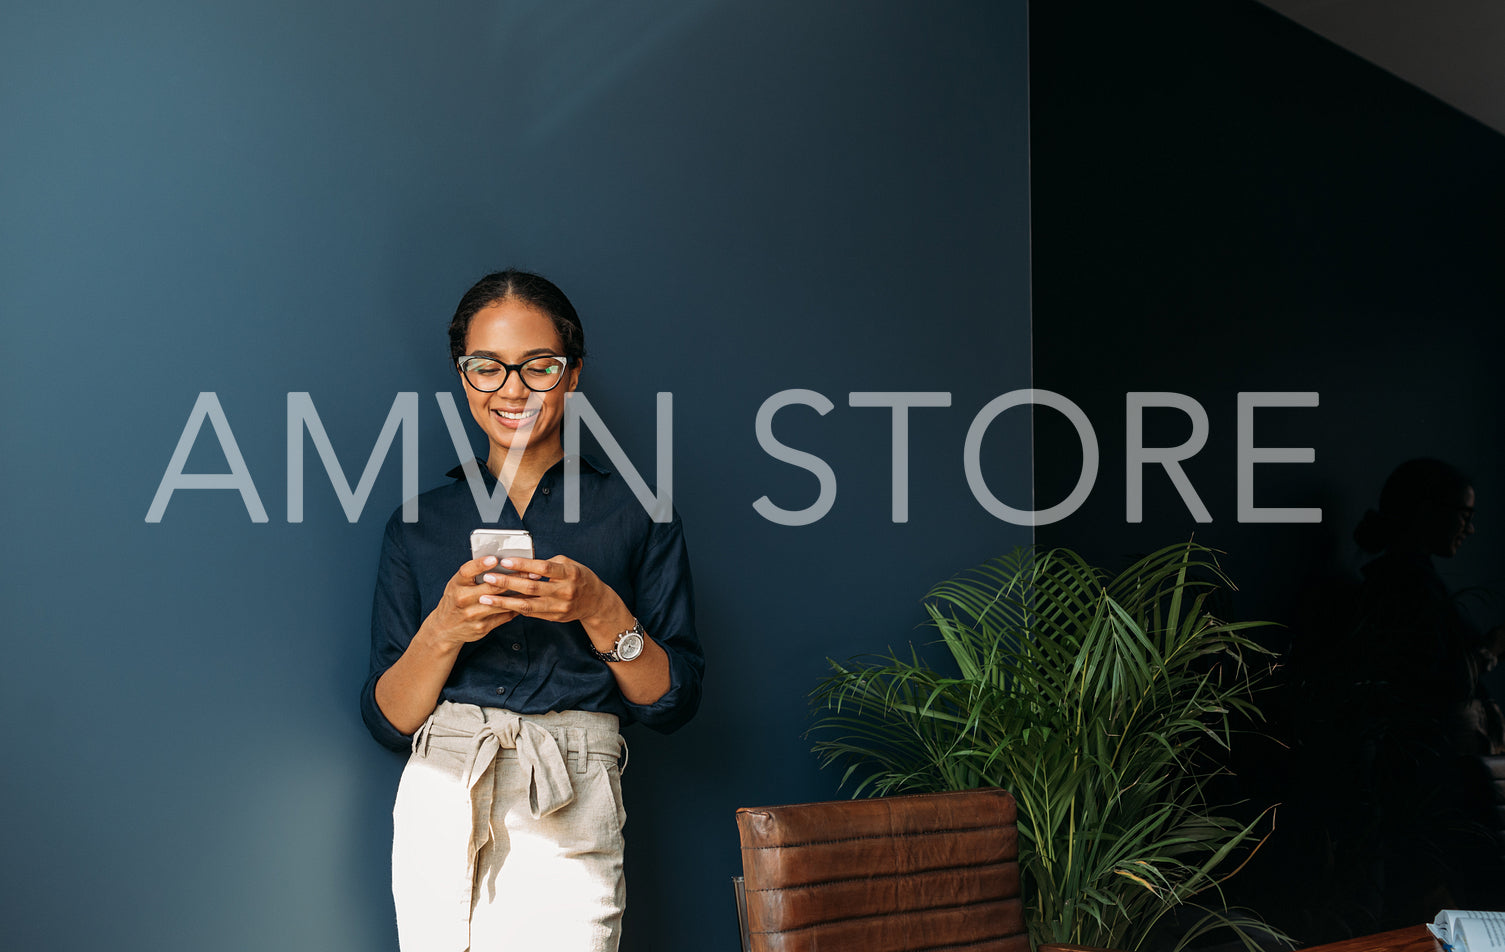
1429, 714
510, 689
1414, 638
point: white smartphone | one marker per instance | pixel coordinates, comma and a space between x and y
502, 543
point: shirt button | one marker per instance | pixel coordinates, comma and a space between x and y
546, 490
501, 690
516, 646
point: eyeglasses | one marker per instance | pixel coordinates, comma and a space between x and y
488, 375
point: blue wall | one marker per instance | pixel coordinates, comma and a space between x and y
257, 199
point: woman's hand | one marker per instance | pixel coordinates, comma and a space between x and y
468, 609
560, 589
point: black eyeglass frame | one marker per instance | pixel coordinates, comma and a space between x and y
513, 368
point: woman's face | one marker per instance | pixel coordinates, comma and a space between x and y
1452, 524
514, 416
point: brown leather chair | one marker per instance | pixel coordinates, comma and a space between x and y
891, 874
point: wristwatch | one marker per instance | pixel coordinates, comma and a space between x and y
629, 644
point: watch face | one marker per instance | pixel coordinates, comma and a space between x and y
630, 646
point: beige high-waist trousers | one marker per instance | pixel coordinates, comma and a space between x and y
507, 833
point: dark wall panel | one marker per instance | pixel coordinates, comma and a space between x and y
1224, 202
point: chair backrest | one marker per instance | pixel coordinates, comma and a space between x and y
891, 874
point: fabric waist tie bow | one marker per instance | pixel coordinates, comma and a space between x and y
538, 754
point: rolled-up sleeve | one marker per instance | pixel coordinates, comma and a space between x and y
395, 617
665, 606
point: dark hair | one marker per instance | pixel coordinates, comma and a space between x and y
531, 289
1411, 486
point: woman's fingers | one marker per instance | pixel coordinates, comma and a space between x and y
538, 568
470, 606
558, 589
535, 578
532, 607
567, 592
470, 572
517, 584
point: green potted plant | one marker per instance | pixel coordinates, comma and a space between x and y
1093, 700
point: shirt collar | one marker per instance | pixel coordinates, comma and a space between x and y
589, 462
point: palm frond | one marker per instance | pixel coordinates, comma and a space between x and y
1092, 699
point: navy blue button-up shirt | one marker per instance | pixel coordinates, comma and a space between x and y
527, 665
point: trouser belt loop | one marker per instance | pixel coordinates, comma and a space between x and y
579, 747
421, 737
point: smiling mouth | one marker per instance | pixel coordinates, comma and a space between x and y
515, 419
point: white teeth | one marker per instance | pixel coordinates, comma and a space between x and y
520, 415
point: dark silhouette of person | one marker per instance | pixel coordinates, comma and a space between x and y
1416, 662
